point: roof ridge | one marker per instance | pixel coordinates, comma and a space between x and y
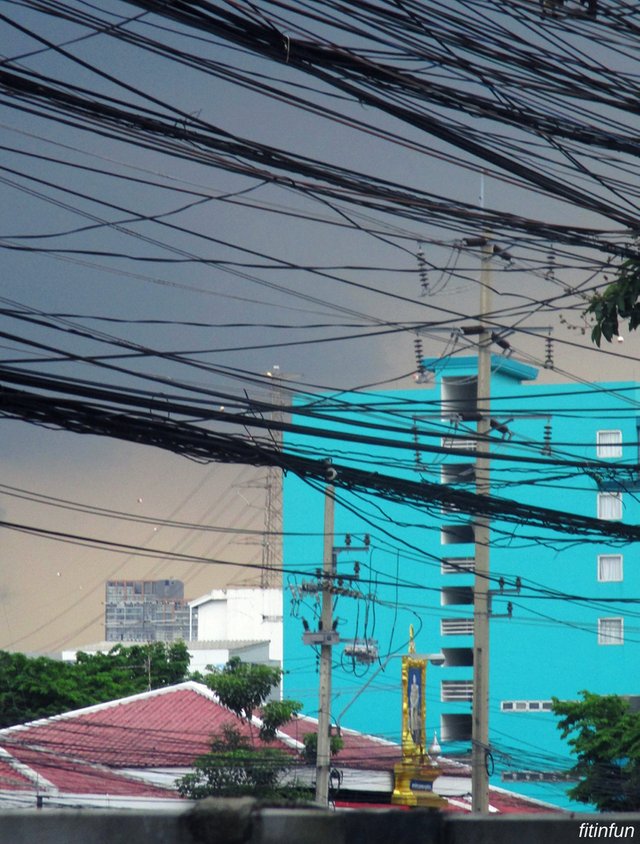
186, 685
281, 736
28, 772
350, 731
505, 791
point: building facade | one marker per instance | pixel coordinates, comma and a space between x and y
560, 616
240, 615
147, 611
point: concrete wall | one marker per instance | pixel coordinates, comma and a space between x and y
240, 615
241, 822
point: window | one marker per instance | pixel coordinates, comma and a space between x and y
609, 567
610, 631
609, 444
610, 505
538, 776
525, 705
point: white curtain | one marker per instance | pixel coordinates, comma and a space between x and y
609, 505
609, 444
610, 567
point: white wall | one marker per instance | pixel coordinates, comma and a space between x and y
236, 615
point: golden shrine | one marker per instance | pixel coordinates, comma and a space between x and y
415, 774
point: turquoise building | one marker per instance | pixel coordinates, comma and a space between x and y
564, 603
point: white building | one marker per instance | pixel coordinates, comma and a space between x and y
241, 615
244, 623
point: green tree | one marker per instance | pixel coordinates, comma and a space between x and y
310, 742
36, 687
33, 688
237, 765
618, 301
244, 687
604, 734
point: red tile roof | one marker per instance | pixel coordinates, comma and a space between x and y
85, 752
58, 774
82, 752
11, 778
358, 751
166, 728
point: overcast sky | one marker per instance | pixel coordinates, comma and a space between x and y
111, 248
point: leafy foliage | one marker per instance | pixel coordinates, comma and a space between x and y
243, 687
605, 736
619, 301
235, 766
36, 687
310, 752
275, 714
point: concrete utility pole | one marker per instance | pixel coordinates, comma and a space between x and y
271, 571
480, 724
323, 747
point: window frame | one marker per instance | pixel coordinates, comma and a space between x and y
601, 578
519, 705
609, 450
605, 638
609, 496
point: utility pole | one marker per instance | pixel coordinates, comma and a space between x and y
480, 723
323, 747
327, 636
271, 571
